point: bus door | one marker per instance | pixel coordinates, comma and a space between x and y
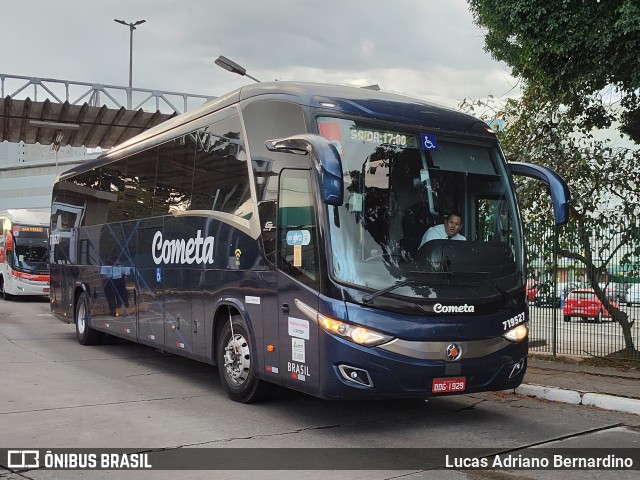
298, 279
63, 250
149, 291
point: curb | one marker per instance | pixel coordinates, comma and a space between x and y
554, 394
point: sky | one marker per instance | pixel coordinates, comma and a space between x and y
428, 49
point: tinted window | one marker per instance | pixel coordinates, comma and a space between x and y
221, 178
174, 177
268, 120
107, 183
139, 185
297, 227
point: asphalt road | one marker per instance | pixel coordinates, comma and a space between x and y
55, 393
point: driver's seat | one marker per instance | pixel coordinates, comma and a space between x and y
416, 220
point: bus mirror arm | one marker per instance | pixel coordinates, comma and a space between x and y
325, 158
559, 189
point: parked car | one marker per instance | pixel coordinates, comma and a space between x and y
633, 295
545, 297
565, 288
583, 303
532, 290
616, 291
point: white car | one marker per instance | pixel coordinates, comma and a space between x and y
633, 295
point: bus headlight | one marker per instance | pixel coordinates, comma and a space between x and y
517, 334
355, 333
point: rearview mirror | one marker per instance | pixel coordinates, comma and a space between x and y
325, 158
558, 187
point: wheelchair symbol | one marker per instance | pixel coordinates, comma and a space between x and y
429, 142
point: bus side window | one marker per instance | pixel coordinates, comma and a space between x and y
221, 176
298, 252
265, 120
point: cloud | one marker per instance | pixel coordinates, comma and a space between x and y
425, 48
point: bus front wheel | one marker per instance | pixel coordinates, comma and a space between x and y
235, 363
85, 334
3, 292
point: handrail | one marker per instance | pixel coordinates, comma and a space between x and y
75, 93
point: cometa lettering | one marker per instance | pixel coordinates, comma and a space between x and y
439, 308
197, 250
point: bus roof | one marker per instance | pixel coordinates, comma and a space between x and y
336, 99
24, 216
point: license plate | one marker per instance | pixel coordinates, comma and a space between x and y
448, 385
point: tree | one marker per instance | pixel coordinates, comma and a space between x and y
582, 54
604, 183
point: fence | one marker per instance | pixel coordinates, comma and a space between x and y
579, 325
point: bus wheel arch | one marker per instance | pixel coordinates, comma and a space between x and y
235, 356
82, 319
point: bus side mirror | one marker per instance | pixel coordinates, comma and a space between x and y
325, 158
559, 189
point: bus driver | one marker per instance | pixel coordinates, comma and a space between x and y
448, 230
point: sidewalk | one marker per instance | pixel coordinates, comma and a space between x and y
608, 388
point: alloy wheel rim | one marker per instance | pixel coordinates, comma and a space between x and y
81, 320
237, 359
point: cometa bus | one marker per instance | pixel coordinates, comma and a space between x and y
276, 232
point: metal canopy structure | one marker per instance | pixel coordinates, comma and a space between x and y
75, 125
101, 116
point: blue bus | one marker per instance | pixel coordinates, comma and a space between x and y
277, 232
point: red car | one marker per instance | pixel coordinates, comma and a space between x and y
532, 291
582, 302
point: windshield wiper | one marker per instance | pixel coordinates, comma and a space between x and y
371, 296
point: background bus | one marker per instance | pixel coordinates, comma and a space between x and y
24, 243
276, 232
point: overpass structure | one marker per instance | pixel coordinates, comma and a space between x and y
39, 116
64, 112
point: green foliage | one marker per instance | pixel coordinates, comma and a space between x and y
583, 54
604, 182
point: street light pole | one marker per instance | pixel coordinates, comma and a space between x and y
132, 27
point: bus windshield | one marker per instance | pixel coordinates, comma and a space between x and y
400, 183
30, 250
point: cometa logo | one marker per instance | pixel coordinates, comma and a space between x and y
439, 308
181, 251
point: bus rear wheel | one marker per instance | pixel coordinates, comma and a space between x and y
85, 334
235, 363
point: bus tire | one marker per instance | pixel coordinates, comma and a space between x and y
85, 334
567, 318
236, 364
3, 292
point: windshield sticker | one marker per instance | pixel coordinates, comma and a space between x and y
298, 237
428, 142
297, 255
